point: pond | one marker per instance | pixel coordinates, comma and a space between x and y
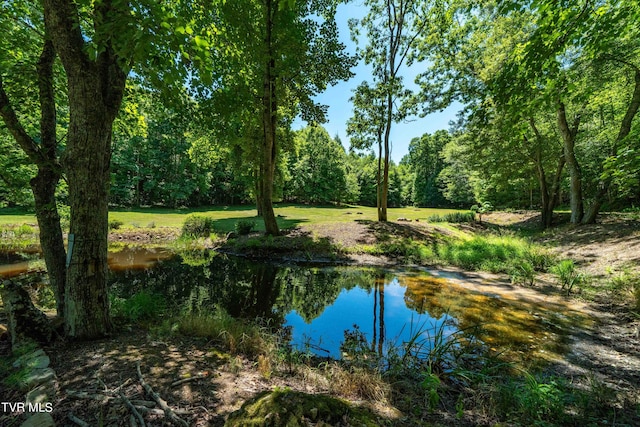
320, 304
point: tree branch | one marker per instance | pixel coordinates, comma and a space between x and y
61, 19
18, 132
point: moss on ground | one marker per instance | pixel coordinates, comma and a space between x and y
292, 409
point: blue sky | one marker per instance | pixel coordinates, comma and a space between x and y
340, 109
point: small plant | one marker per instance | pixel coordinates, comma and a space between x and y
24, 230
481, 209
244, 226
430, 384
522, 273
115, 224
567, 274
197, 226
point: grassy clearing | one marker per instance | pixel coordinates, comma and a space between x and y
225, 217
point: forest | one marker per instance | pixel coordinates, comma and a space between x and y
203, 119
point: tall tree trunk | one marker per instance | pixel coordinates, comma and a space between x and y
382, 212
45, 182
96, 87
269, 122
569, 139
554, 194
379, 177
625, 129
87, 166
44, 156
43, 186
548, 196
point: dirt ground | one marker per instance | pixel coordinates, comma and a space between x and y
91, 375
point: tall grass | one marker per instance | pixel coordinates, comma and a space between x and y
236, 336
508, 254
453, 217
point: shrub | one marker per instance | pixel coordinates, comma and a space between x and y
244, 226
481, 209
454, 217
24, 230
115, 224
143, 305
197, 226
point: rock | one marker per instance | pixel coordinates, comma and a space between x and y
313, 412
42, 394
26, 322
37, 377
37, 360
41, 419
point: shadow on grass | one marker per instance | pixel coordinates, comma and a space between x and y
294, 243
16, 211
226, 225
184, 211
385, 231
312, 206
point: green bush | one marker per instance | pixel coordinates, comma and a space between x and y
143, 305
197, 226
244, 226
454, 217
24, 230
115, 224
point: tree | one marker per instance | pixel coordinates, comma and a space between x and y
571, 49
23, 26
392, 28
318, 173
98, 44
282, 53
425, 160
366, 127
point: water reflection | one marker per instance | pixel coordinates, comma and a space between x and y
320, 304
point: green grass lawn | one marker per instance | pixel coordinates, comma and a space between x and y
226, 216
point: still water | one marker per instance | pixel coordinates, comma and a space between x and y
318, 304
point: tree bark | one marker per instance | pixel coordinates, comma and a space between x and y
44, 183
269, 125
95, 90
569, 138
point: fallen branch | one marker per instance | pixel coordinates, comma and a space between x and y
133, 409
168, 412
147, 403
85, 395
77, 420
157, 411
186, 380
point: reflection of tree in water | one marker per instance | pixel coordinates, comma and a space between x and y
309, 291
244, 289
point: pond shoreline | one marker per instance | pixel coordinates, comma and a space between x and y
605, 352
